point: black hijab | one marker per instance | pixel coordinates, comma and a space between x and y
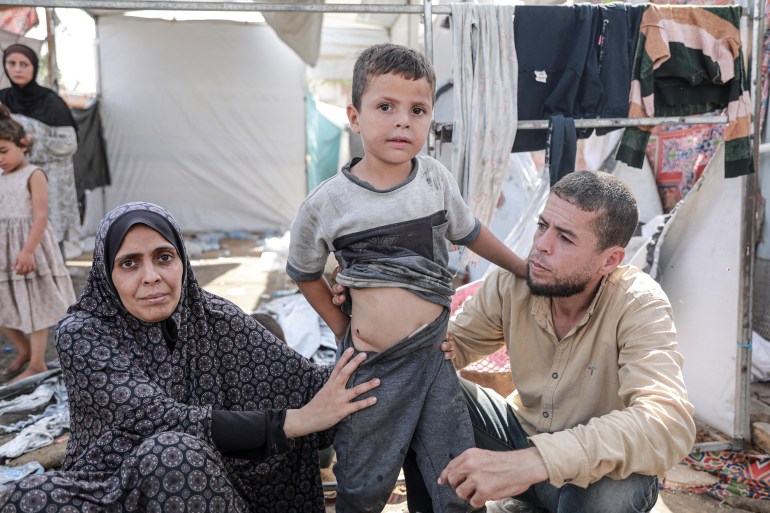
34, 100
114, 238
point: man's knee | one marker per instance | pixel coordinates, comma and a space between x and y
635, 494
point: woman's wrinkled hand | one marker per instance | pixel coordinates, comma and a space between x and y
333, 402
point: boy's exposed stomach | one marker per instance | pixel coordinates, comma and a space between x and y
384, 316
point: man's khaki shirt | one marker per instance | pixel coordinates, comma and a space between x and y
609, 398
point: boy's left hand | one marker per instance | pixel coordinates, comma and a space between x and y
448, 347
24, 263
338, 291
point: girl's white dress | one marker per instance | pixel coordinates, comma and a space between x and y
39, 299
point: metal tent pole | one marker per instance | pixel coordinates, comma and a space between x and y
742, 420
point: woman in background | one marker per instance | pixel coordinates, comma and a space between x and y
47, 120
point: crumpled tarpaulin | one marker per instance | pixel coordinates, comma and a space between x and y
38, 435
38, 430
8, 474
53, 409
305, 330
40, 396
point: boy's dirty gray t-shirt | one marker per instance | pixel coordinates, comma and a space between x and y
384, 238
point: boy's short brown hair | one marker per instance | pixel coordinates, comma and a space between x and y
387, 58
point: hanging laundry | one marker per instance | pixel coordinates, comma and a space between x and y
561, 147
617, 47
690, 62
485, 71
574, 61
90, 160
18, 20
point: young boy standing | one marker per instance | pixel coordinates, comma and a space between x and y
386, 217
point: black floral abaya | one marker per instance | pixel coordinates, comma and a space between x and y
141, 413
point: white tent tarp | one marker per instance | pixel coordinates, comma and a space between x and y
699, 268
205, 118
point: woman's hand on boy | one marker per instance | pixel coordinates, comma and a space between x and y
333, 402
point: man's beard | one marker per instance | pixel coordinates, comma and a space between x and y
570, 286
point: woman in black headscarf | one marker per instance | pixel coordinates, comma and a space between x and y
47, 119
179, 401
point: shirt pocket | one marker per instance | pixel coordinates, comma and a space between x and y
440, 243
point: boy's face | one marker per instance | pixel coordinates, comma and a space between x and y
394, 118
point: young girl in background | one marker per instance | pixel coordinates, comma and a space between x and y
35, 287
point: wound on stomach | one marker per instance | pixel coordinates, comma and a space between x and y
383, 316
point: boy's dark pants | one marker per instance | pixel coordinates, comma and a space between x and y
419, 406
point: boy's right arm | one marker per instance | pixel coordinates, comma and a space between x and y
319, 294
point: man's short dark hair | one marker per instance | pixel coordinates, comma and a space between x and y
597, 191
271, 324
387, 58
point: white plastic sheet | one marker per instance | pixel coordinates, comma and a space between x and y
40, 396
38, 435
205, 118
9, 474
39, 430
305, 331
699, 269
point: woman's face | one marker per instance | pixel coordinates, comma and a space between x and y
19, 69
147, 274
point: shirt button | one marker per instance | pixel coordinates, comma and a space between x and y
545, 414
274, 448
555, 375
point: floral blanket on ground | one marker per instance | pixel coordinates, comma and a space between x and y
745, 475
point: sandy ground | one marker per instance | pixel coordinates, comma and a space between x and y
240, 273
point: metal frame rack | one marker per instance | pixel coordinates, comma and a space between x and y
756, 13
